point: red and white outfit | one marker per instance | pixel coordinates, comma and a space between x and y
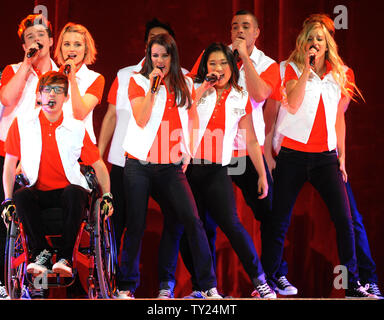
49, 152
26, 102
90, 82
159, 141
223, 118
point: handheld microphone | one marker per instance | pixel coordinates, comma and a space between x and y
32, 51
312, 57
236, 54
50, 103
67, 69
156, 82
213, 78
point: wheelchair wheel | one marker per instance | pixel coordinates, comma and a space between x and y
105, 253
15, 262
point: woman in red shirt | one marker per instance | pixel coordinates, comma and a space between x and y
163, 113
224, 110
317, 89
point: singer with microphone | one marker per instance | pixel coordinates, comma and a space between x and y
163, 117
313, 147
225, 108
19, 81
75, 51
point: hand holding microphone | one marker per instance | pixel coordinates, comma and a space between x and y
312, 55
32, 51
156, 81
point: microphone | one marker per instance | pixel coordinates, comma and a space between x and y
156, 82
236, 54
32, 51
213, 78
67, 69
50, 103
312, 60
312, 56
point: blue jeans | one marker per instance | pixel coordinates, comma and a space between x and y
171, 186
365, 263
293, 169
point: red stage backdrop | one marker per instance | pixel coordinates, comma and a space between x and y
118, 29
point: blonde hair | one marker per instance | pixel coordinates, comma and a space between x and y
90, 48
332, 56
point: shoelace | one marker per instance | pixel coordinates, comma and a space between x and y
3, 291
363, 290
43, 257
212, 292
262, 289
283, 281
374, 288
165, 293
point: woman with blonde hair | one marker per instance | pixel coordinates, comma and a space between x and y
318, 86
75, 50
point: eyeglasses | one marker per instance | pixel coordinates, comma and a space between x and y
48, 89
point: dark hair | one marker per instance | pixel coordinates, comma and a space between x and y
203, 66
51, 77
176, 78
32, 20
247, 12
155, 23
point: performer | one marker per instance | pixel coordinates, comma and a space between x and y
224, 109
161, 117
365, 262
48, 146
317, 89
259, 75
19, 81
114, 126
75, 50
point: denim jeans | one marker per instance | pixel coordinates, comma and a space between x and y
365, 263
293, 169
170, 184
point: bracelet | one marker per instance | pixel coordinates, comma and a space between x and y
5, 200
107, 195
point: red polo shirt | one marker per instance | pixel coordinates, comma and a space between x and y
51, 171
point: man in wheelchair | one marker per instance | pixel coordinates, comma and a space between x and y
48, 146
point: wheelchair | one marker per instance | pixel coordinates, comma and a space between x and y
94, 257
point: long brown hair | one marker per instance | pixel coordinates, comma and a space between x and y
176, 78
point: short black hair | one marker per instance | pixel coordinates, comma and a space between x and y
156, 23
32, 20
247, 12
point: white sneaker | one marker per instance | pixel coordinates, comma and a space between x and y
165, 294
284, 287
125, 294
41, 263
3, 292
211, 294
62, 267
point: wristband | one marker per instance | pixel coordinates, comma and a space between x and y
108, 195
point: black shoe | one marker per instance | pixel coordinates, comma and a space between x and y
284, 287
358, 291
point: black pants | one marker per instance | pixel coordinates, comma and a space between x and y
213, 192
293, 169
30, 202
170, 185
